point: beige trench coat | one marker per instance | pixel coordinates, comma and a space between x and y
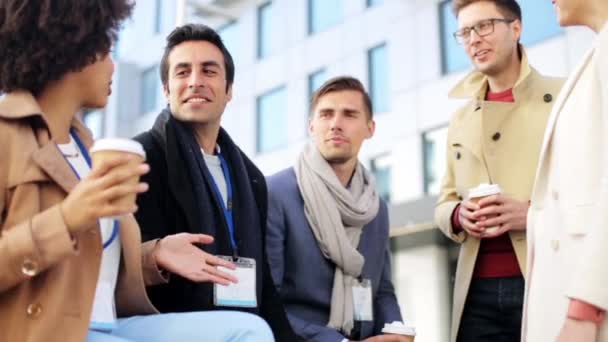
492, 142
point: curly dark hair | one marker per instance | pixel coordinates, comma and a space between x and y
42, 40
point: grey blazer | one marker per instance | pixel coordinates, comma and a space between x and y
304, 277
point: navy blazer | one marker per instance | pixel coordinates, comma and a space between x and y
304, 277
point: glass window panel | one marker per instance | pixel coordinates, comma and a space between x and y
229, 34
315, 81
323, 14
371, 3
157, 16
539, 21
272, 120
266, 28
149, 89
381, 169
379, 78
453, 55
433, 147
94, 121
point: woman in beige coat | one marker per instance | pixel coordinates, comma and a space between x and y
567, 295
55, 252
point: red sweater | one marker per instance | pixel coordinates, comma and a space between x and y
496, 257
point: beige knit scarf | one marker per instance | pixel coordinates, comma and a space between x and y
336, 216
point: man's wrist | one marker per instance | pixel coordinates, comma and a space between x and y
583, 311
456, 226
157, 260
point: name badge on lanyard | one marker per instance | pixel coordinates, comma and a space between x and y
87, 158
241, 294
103, 313
362, 300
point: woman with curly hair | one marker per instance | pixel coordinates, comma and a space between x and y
69, 271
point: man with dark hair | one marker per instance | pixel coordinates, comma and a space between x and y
201, 182
325, 212
495, 139
74, 267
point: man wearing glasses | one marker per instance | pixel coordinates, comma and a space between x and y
495, 138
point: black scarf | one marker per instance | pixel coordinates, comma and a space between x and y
210, 213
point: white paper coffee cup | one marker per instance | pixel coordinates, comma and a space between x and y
398, 328
118, 145
109, 147
484, 190
481, 191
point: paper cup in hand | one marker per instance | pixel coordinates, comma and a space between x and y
482, 191
110, 147
398, 328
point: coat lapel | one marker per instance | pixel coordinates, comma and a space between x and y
561, 101
49, 158
471, 122
20, 105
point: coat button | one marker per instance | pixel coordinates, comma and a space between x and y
34, 310
29, 267
496, 136
548, 98
555, 195
555, 245
458, 155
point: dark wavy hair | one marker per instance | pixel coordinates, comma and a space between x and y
42, 40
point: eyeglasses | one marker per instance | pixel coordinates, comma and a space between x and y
481, 28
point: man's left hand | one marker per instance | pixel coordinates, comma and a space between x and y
578, 331
504, 212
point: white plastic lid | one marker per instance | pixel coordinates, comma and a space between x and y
118, 144
483, 190
399, 328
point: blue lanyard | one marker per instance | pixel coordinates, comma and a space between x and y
227, 210
86, 156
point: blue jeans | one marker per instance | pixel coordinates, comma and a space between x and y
212, 326
493, 310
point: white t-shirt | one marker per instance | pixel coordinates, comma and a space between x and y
215, 168
103, 316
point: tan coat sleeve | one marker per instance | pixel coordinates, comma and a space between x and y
152, 274
32, 246
448, 199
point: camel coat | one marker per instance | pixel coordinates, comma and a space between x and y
48, 277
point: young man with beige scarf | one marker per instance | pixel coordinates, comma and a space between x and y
327, 233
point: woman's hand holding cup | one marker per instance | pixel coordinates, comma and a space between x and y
112, 186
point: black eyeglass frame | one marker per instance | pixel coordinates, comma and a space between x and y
461, 38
